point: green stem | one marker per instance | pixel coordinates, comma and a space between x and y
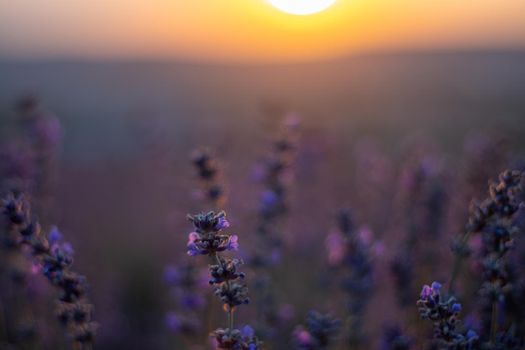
230, 317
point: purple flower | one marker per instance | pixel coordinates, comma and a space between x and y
222, 223
302, 337
444, 314
334, 243
191, 301
269, 197
48, 131
173, 321
54, 236
233, 243
171, 274
426, 292
247, 331
456, 307
275, 256
472, 335
193, 249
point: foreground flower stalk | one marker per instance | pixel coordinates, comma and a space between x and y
494, 220
210, 239
444, 313
502, 204
53, 258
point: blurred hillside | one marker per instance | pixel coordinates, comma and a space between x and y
377, 94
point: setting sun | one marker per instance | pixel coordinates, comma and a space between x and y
306, 7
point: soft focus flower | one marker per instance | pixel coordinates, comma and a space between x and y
334, 243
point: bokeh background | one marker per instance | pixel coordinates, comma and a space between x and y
138, 85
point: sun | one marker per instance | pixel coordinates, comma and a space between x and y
302, 7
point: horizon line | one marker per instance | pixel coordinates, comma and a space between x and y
445, 51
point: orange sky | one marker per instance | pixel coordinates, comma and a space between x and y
251, 30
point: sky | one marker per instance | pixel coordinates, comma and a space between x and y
251, 30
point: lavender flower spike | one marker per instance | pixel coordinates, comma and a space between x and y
444, 314
209, 239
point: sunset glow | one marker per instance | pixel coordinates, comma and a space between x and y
252, 30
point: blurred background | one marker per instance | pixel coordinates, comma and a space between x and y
379, 86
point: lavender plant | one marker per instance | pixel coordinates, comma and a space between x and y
16, 322
355, 261
275, 173
494, 220
497, 240
53, 258
186, 286
185, 280
444, 312
319, 333
209, 239
28, 159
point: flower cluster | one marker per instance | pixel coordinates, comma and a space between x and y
53, 258
235, 339
209, 239
27, 161
444, 314
494, 220
275, 173
318, 334
494, 215
208, 172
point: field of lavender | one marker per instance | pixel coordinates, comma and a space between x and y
367, 204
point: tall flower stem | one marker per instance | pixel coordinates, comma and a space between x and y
230, 309
208, 240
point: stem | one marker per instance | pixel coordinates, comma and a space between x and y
494, 322
3, 322
77, 345
457, 263
230, 317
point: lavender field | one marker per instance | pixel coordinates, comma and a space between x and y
371, 202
